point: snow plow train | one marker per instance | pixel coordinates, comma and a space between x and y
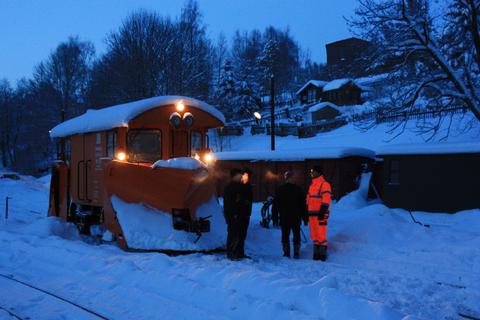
126, 170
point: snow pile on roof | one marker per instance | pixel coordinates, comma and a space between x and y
119, 115
151, 229
316, 83
185, 163
297, 154
336, 84
322, 105
430, 148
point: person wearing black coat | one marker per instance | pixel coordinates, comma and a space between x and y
290, 205
237, 208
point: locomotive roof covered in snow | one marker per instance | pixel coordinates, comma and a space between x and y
297, 154
120, 115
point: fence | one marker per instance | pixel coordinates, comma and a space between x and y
230, 131
383, 116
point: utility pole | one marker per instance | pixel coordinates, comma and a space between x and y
272, 111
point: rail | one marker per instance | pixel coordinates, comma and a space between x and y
96, 314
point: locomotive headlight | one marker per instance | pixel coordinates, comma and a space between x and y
197, 157
121, 156
208, 157
180, 106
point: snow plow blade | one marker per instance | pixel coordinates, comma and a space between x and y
159, 208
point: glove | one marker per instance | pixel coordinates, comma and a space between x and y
323, 213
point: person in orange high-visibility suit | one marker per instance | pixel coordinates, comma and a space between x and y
318, 204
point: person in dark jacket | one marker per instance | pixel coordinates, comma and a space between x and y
289, 203
237, 208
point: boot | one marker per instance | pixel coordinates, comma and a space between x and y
315, 252
322, 253
286, 249
296, 251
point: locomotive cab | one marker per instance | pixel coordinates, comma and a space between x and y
129, 152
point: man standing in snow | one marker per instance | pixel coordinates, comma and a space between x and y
318, 203
289, 204
237, 208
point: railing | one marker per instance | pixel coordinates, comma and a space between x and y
230, 131
382, 116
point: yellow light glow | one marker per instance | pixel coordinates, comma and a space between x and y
121, 156
245, 178
257, 115
180, 106
208, 157
197, 157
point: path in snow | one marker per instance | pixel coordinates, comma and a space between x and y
381, 265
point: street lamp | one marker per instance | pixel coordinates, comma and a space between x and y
272, 112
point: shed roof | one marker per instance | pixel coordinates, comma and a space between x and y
429, 148
121, 114
316, 83
297, 155
321, 105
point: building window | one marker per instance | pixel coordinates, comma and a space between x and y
394, 172
311, 95
111, 143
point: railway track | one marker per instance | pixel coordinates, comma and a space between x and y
94, 314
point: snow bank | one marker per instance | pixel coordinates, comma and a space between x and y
185, 163
296, 154
120, 115
430, 148
357, 198
151, 229
52, 226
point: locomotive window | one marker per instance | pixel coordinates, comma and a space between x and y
195, 142
111, 143
68, 150
144, 145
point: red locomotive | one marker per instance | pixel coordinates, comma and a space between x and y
112, 153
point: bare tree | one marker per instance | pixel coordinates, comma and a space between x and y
438, 62
6, 115
67, 71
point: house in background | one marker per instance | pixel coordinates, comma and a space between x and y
343, 92
311, 92
346, 51
322, 111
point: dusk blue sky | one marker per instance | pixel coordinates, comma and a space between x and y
31, 29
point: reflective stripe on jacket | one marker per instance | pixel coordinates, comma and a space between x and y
319, 192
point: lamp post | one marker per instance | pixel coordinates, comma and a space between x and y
272, 112
257, 116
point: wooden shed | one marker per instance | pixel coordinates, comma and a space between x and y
342, 167
439, 177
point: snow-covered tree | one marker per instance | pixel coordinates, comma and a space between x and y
437, 60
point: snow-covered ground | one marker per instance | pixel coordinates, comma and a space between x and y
461, 130
381, 266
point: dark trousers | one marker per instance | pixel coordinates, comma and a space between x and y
288, 226
237, 233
